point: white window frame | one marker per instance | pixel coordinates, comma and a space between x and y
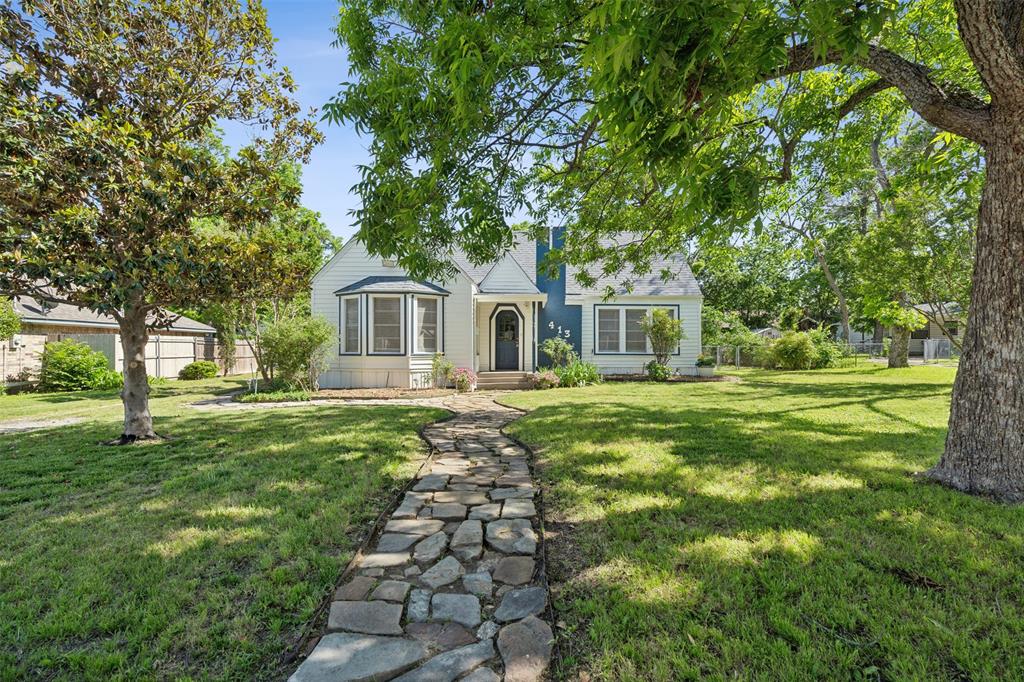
597, 330
622, 328
438, 331
371, 324
343, 303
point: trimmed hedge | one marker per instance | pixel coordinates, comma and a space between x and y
200, 369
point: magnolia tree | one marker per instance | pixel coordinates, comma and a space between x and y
672, 119
109, 163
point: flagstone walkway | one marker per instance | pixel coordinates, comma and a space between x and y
452, 589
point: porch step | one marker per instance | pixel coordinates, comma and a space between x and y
502, 380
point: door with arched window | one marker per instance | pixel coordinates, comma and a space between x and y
506, 340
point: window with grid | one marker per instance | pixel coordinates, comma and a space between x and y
350, 325
636, 338
608, 330
426, 325
387, 324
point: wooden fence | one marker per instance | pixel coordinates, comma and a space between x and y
165, 354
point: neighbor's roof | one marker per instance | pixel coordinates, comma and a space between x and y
32, 311
681, 283
951, 307
392, 284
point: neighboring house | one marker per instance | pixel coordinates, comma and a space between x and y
490, 318
167, 352
948, 313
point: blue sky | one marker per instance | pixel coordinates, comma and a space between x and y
304, 32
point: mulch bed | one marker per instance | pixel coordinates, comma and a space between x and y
379, 393
679, 379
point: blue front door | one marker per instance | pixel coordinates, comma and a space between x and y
506, 340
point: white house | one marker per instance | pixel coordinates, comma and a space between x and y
490, 318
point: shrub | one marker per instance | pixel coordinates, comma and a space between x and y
559, 350
544, 379
465, 379
274, 396
664, 332
10, 323
297, 349
828, 353
705, 361
72, 366
577, 373
200, 369
656, 371
802, 350
441, 370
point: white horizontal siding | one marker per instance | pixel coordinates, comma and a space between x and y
689, 349
507, 277
353, 263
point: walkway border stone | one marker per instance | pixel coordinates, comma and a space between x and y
455, 562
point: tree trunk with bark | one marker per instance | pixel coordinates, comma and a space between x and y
985, 444
899, 348
138, 422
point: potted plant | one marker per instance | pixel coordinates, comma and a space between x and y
705, 366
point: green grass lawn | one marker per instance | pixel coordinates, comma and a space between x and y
199, 557
771, 529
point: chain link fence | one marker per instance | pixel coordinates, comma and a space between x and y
748, 356
940, 350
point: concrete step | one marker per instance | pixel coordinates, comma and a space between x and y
502, 380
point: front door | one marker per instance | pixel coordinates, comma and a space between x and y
506, 340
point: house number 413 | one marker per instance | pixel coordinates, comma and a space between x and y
565, 333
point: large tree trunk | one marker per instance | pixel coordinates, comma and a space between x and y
899, 348
138, 422
985, 444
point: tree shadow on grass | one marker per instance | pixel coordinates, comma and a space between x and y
696, 537
199, 556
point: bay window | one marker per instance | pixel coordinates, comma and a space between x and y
386, 324
426, 325
349, 332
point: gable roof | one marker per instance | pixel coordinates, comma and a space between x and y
682, 283
523, 252
32, 311
393, 284
508, 277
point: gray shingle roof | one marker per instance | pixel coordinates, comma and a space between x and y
31, 311
524, 252
681, 283
393, 284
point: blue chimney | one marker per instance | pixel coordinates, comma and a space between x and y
556, 318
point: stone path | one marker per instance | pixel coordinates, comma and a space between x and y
452, 589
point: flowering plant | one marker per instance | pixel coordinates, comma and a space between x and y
545, 379
465, 379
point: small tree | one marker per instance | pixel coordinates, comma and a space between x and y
559, 350
10, 324
298, 348
902, 321
664, 332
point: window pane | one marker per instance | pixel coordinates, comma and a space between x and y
636, 339
426, 324
608, 330
387, 325
351, 325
